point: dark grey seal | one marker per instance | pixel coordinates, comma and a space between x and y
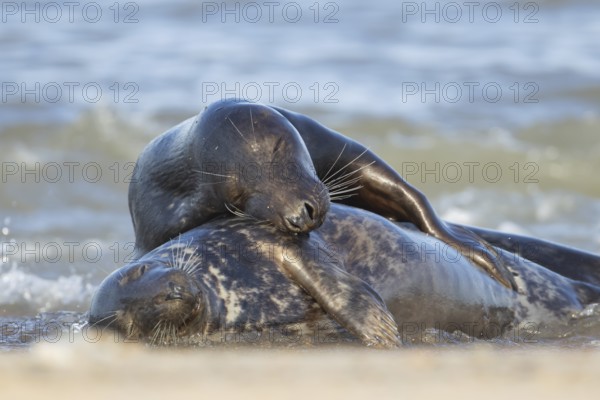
234, 272
276, 166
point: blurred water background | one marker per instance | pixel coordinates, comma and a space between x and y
492, 109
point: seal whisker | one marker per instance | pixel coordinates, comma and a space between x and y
167, 333
214, 174
238, 131
113, 315
241, 214
236, 211
344, 184
129, 330
170, 334
175, 256
159, 334
191, 265
349, 163
173, 339
179, 260
326, 176
183, 323
155, 332
159, 328
345, 191
193, 268
252, 125
163, 332
342, 189
339, 186
334, 181
343, 197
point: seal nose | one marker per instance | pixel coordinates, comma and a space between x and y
175, 292
305, 219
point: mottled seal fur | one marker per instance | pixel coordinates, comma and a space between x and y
233, 272
278, 166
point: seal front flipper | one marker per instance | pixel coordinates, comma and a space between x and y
354, 304
357, 177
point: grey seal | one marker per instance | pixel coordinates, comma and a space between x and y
235, 272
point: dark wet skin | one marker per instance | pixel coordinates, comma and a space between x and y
183, 180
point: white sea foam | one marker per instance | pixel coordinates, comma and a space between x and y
27, 292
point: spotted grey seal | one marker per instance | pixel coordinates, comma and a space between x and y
232, 272
278, 166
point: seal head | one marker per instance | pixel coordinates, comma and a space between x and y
264, 166
234, 157
145, 299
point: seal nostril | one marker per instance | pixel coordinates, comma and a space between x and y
310, 211
176, 292
174, 296
293, 223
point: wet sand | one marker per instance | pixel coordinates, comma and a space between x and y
105, 370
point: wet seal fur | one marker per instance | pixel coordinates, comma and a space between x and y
234, 157
230, 273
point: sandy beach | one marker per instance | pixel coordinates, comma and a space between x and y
105, 370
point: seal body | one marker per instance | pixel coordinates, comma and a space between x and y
277, 166
238, 270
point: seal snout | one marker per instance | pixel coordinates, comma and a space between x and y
307, 216
304, 220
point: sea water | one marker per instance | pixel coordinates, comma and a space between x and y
490, 108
